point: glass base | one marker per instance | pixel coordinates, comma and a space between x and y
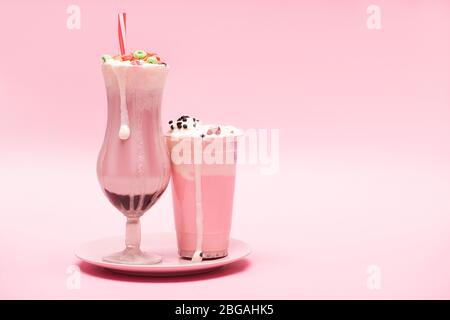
133, 256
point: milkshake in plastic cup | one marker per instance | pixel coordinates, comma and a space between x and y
203, 167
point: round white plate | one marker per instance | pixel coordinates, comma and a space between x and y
164, 244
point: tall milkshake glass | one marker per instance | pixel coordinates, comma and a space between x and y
133, 165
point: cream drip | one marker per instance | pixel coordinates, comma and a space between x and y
121, 74
197, 256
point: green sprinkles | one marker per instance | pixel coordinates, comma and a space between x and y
152, 60
106, 57
139, 54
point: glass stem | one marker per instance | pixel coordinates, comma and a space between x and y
133, 234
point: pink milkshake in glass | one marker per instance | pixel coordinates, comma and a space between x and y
203, 167
133, 165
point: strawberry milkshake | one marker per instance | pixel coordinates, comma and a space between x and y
133, 166
203, 167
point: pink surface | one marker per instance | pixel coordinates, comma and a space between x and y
363, 115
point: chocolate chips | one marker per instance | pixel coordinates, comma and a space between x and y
184, 123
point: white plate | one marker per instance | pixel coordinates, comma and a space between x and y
165, 245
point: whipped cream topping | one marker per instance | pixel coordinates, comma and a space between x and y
136, 58
134, 64
186, 126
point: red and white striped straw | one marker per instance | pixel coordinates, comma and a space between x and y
122, 31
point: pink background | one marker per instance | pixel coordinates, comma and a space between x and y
363, 115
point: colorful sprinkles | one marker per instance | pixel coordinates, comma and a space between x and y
137, 57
